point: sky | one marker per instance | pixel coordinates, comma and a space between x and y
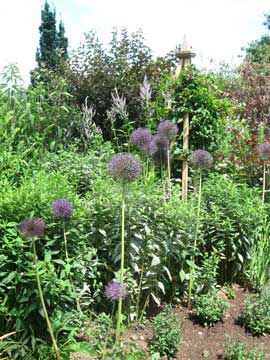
215, 29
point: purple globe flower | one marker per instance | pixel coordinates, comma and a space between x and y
141, 137
124, 167
62, 208
32, 227
149, 148
167, 129
115, 291
263, 151
201, 159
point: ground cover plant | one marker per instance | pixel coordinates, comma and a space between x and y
99, 255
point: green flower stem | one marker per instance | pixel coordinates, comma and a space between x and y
43, 303
169, 172
264, 176
192, 266
67, 261
65, 240
119, 313
139, 294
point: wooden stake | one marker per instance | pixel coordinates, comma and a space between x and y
185, 56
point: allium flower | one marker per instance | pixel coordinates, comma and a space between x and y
263, 151
62, 208
167, 129
149, 148
141, 137
115, 291
32, 227
125, 167
201, 159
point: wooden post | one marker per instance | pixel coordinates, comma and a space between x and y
184, 56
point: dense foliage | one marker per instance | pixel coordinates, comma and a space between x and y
70, 147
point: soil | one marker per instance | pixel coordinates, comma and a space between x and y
198, 342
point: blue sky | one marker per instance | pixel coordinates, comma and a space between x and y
216, 29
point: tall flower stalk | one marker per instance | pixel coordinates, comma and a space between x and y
168, 130
34, 228
263, 154
62, 209
125, 168
200, 160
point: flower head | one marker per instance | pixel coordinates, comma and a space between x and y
263, 151
62, 208
141, 137
32, 227
201, 159
167, 129
125, 167
115, 291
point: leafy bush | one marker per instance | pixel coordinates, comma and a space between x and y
239, 351
81, 170
166, 333
209, 308
255, 315
17, 275
232, 213
157, 236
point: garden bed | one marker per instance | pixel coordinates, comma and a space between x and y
198, 342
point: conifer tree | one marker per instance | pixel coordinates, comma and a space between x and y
46, 55
62, 41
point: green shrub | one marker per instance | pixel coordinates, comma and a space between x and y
239, 351
166, 333
210, 309
255, 315
20, 306
158, 236
81, 170
232, 212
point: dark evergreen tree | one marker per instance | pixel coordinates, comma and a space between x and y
62, 41
47, 52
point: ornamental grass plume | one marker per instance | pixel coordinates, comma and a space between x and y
262, 152
34, 228
125, 168
200, 160
115, 291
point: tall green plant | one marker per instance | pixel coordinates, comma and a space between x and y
200, 160
33, 228
124, 168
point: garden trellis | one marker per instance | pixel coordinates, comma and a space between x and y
184, 55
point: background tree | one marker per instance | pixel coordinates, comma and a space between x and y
53, 46
46, 53
95, 73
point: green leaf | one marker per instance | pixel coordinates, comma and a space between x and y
182, 275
